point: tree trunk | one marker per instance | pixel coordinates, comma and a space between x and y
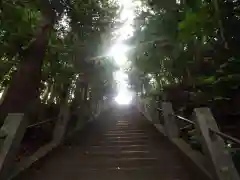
51, 94
47, 92
4, 92
85, 96
78, 93
24, 87
219, 21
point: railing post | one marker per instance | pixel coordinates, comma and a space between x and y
98, 110
170, 124
13, 128
100, 106
97, 107
147, 112
222, 165
103, 105
154, 113
138, 104
61, 124
141, 104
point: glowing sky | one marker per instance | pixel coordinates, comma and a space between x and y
119, 50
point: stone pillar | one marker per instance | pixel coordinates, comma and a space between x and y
97, 110
154, 113
14, 129
170, 125
146, 111
214, 146
101, 106
138, 104
149, 112
61, 124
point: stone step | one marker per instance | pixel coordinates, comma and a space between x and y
136, 174
124, 134
120, 147
123, 142
124, 164
125, 153
125, 131
125, 137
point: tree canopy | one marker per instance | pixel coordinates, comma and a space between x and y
187, 44
47, 46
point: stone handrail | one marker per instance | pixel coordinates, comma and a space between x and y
42, 122
219, 133
215, 155
14, 128
225, 136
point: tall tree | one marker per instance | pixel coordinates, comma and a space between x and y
49, 50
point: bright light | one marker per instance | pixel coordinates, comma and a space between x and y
118, 52
118, 49
127, 7
63, 27
121, 77
124, 98
127, 16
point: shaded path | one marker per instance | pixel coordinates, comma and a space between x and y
120, 145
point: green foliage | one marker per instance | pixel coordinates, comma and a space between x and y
197, 24
183, 45
75, 38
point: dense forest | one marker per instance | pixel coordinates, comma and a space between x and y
50, 54
183, 51
187, 52
51, 57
